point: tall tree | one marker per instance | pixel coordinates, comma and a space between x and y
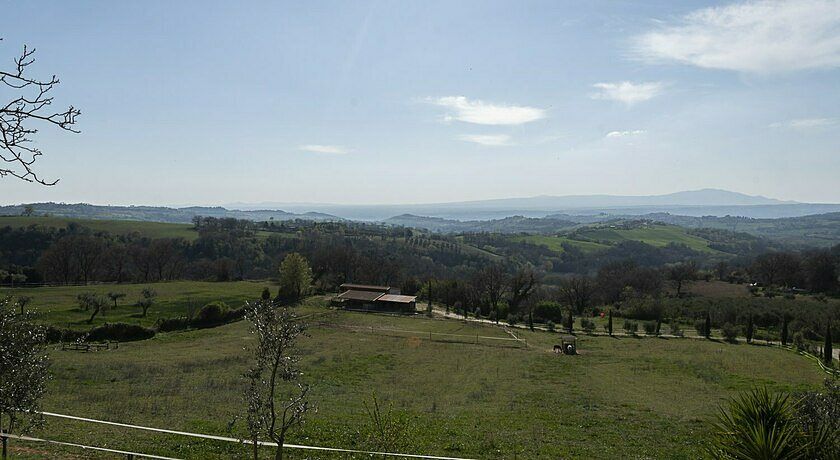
707, 328
750, 328
492, 283
784, 329
276, 400
577, 292
295, 277
29, 106
828, 352
522, 285
610, 323
23, 370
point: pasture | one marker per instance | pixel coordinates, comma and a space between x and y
58, 305
620, 398
658, 235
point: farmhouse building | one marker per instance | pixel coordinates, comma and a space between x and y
375, 298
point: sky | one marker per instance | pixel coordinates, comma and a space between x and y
363, 102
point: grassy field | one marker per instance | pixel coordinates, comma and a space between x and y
654, 235
58, 305
555, 243
620, 398
116, 227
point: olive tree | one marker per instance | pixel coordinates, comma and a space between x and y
146, 300
23, 370
276, 400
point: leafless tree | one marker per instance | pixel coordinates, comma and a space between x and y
30, 106
492, 282
577, 291
276, 400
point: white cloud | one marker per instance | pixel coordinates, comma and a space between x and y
493, 140
806, 123
628, 92
635, 132
768, 36
483, 113
319, 148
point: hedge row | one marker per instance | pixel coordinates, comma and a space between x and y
210, 315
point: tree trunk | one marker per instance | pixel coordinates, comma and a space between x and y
5, 445
95, 312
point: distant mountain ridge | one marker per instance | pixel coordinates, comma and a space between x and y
692, 203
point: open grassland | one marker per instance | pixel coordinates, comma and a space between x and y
620, 398
58, 305
555, 243
116, 227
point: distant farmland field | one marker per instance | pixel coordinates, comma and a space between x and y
654, 235
555, 243
116, 227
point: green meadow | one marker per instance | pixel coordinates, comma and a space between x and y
451, 395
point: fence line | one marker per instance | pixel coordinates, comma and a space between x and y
245, 441
82, 446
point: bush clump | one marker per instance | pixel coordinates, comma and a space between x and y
173, 324
587, 325
211, 314
730, 332
120, 332
650, 327
675, 329
631, 327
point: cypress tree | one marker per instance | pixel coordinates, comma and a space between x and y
707, 330
609, 324
828, 353
750, 329
784, 330
571, 322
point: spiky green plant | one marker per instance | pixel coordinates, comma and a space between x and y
758, 425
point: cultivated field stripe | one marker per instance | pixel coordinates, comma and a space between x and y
241, 441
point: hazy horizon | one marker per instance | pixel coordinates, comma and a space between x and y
375, 103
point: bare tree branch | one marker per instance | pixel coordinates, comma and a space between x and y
30, 106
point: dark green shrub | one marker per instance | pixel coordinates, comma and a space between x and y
631, 327
675, 328
587, 325
211, 314
550, 325
511, 319
700, 327
173, 324
650, 327
730, 332
549, 311
120, 332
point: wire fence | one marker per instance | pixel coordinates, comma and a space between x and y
131, 455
